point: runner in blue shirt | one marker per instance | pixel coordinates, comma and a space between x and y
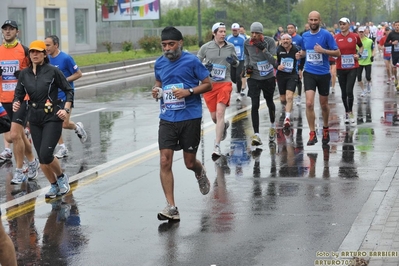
318, 45
72, 72
237, 40
180, 78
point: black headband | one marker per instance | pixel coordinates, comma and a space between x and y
171, 33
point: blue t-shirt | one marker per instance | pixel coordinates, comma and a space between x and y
184, 73
238, 42
317, 63
297, 41
67, 65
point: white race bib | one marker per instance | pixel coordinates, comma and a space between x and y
264, 68
365, 54
288, 64
314, 58
238, 50
347, 61
9, 80
218, 72
169, 99
388, 49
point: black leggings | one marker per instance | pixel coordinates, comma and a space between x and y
45, 138
268, 87
347, 79
236, 73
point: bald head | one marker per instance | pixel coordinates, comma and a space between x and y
314, 21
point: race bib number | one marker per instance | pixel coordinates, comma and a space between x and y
396, 48
9, 80
347, 61
169, 99
218, 72
9, 67
288, 64
388, 49
314, 58
264, 68
238, 50
365, 54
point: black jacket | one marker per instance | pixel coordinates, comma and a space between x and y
42, 87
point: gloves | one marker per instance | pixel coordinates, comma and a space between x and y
209, 66
230, 60
1, 71
261, 45
372, 58
16, 73
249, 70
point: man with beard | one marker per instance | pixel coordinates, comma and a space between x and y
318, 45
259, 63
180, 78
287, 76
347, 65
13, 58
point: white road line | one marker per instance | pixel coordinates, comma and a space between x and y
92, 111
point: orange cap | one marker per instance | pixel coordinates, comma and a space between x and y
37, 45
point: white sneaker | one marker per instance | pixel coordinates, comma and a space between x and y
81, 132
298, 100
346, 118
242, 93
352, 119
6, 155
216, 151
61, 153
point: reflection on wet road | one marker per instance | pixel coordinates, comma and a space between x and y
277, 204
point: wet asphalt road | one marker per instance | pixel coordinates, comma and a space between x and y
275, 206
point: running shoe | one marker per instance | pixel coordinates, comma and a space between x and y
80, 131
242, 93
352, 119
203, 182
298, 100
19, 177
216, 151
326, 136
53, 192
312, 138
170, 213
226, 126
272, 134
255, 141
63, 185
62, 153
6, 155
363, 94
368, 87
287, 122
346, 118
33, 169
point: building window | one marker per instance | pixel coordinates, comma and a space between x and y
19, 15
81, 26
51, 22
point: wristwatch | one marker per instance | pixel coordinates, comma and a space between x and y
67, 110
191, 91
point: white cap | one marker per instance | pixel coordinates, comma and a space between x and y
218, 25
361, 29
357, 23
235, 26
345, 20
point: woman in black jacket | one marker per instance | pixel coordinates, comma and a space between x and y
41, 82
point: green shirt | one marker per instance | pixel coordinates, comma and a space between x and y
368, 48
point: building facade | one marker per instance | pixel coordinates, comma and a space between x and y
73, 21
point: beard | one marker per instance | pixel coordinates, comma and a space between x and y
314, 27
173, 55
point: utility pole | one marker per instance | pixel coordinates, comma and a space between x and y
199, 24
